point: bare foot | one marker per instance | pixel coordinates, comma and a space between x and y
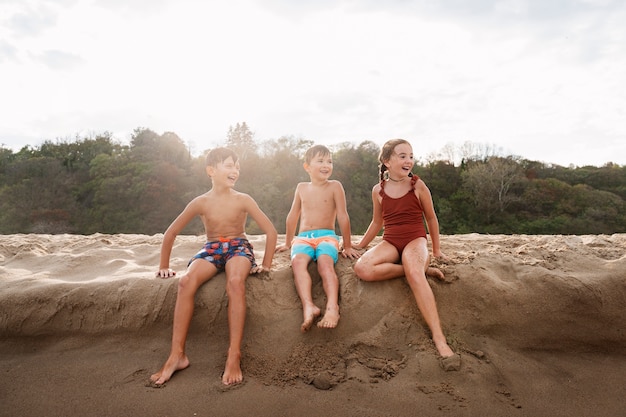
443, 348
310, 314
174, 363
435, 273
330, 319
232, 370
451, 363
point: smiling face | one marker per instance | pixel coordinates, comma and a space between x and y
400, 162
320, 167
224, 173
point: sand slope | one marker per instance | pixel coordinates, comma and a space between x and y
539, 322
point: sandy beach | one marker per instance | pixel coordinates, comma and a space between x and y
539, 321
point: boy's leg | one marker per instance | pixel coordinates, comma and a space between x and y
302, 280
326, 268
237, 271
415, 261
199, 272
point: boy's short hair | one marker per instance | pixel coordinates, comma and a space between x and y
313, 151
217, 155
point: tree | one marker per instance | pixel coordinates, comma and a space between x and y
241, 140
356, 169
490, 184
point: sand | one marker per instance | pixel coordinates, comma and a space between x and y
539, 322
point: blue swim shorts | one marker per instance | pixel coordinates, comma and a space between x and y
315, 243
221, 251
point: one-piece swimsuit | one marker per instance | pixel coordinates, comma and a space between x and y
403, 217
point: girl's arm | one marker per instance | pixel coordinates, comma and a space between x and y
423, 193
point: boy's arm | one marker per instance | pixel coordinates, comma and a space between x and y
377, 220
292, 220
423, 193
169, 237
343, 219
271, 236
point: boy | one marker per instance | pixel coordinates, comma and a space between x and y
317, 204
223, 212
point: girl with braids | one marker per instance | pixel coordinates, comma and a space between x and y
401, 202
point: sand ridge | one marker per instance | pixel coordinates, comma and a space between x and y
538, 321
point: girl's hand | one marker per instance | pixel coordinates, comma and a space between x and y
440, 256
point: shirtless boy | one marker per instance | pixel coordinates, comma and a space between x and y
317, 204
223, 212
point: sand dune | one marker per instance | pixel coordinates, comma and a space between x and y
539, 322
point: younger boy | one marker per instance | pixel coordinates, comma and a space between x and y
317, 204
223, 212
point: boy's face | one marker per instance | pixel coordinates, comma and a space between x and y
225, 172
320, 167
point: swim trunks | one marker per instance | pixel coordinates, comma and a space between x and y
221, 251
403, 218
315, 243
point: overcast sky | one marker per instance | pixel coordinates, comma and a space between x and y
540, 79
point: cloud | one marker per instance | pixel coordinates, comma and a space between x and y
28, 20
58, 60
8, 52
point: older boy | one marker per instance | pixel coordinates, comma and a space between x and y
317, 204
223, 212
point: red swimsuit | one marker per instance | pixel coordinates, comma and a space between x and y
403, 218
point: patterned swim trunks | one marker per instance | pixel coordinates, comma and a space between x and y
221, 251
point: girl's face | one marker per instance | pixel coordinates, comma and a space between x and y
401, 161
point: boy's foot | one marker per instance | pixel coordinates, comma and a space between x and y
330, 319
232, 370
174, 363
310, 314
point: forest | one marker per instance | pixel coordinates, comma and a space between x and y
98, 185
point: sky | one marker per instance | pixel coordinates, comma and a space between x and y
544, 80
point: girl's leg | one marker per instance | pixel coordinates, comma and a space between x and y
379, 263
199, 272
415, 261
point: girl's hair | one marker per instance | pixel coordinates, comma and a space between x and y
217, 155
313, 151
385, 154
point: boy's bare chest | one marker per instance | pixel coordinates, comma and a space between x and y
317, 198
225, 210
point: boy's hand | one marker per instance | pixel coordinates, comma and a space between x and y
350, 253
258, 269
165, 273
282, 248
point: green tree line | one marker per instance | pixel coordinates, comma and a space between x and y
97, 185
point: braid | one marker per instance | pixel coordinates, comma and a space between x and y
383, 169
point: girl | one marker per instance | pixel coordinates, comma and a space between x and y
401, 202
